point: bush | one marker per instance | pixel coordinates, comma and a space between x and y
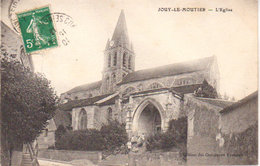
114, 134
61, 130
159, 141
89, 140
175, 136
244, 143
178, 129
111, 137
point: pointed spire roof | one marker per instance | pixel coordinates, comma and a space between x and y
120, 34
107, 45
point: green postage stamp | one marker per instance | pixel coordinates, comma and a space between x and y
37, 29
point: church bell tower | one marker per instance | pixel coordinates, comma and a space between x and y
119, 58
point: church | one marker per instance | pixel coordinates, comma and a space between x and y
145, 100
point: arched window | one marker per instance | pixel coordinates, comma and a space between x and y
155, 85
115, 59
109, 114
140, 87
114, 77
83, 119
109, 60
124, 59
129, 62
107, 81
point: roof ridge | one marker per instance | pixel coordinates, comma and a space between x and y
169, 70
240, 102
87, 84
178, 63
215, 99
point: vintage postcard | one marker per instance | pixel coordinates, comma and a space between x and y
137, 83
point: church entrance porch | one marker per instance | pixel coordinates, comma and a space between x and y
147, 119
149, 122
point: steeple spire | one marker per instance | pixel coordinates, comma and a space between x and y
120, 35
119, 57
107, 45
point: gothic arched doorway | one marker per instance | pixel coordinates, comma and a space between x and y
148, 118
149, 121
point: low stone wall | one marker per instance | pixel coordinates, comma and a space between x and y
156, 159
67, 155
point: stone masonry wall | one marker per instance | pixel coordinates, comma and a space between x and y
90, 117
101, 115
202, 146
239, 119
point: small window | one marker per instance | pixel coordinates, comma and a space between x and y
129, 63
155, 85
110, 114
124, 59
140, 87
114, 77
115, 59
107, 81
109, 61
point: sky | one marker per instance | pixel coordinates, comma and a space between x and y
159, 38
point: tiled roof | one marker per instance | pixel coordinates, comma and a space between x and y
240, 102
120, 32
216, 102
85, 87
81, 103
168, 70
108, 100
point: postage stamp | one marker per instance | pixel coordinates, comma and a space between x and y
37, 33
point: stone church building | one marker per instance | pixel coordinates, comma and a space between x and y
146, 100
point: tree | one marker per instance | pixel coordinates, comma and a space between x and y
27, 102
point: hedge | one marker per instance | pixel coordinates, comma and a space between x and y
175, 136
111, 136
89, 140
244, 143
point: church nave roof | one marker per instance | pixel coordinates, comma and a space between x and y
169, 70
